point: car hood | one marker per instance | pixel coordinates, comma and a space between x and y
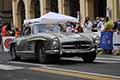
41, 36
63, 37
66, 37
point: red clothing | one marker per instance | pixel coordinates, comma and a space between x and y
4, 31
17, 34
79, 29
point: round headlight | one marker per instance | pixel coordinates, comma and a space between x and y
97, 39
55, 43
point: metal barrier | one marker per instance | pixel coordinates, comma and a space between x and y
110, 41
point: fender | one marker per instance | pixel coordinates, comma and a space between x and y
35, 39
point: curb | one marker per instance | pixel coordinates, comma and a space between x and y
117, 53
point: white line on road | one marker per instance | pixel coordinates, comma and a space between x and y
52, 68
30, 64
108, 58
106, 61
8, 67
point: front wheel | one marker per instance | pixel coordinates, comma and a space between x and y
41, 56
89, 57
44, 58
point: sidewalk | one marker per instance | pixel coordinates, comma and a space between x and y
114, 53
109, 56
103, 55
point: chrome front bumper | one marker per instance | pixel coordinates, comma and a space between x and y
78, 50
99, 49
52, 51
62, 51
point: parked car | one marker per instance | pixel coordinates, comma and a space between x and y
47, 43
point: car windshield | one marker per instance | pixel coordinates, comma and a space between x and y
39, 28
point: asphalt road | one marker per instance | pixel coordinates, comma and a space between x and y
23, 70
105, 67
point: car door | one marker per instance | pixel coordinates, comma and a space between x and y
23, 45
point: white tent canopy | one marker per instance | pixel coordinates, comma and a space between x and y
53, 18
27, 21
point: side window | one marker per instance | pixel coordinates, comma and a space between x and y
27, 31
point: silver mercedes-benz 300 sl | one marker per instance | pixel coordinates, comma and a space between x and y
47, 43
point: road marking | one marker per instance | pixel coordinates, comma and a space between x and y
73, 73
29, 64
66, 72
101, 61
8, 67
108, 59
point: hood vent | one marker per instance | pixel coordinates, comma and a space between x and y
76, 45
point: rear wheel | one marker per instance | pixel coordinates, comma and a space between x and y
89, 57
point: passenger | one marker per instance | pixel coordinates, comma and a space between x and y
62, 27
79, 28
70, 27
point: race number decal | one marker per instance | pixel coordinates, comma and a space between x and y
6, 41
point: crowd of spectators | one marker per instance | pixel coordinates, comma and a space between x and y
97, 25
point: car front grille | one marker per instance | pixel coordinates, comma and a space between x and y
76, 45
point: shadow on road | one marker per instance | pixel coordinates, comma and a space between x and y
60, 62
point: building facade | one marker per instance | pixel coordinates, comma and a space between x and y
5, 11
28, 9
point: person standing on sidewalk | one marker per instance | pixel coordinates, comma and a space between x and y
17, 32
100, 25
4, 31
108, 25
87, 25
108, 28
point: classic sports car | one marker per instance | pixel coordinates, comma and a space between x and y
48, 43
